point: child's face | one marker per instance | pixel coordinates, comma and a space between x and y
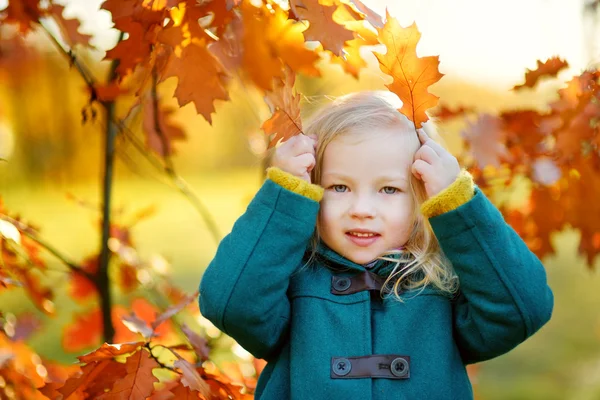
367, 208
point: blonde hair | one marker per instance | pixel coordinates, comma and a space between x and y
422, 262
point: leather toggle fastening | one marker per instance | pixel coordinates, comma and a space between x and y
389, 366
343, 285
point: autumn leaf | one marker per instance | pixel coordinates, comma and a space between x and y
323, 28
281, 42
133, 51
201, 78
174, 309
107, 92
109, 351
191, 378
139, 381
550, 68
24, 13
485, 139
75, 387
81, 288
412, 75
372, 17
199, 343
138, 325
69, 28
184, 393
147, 12
84, 331
445, 113
285, 106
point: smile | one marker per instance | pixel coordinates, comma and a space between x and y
361, 234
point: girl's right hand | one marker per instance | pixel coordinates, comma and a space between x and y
296, 156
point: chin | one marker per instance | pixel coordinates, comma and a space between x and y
361, 258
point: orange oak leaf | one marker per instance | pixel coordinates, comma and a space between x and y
191, 378
201, 78
128, 280
285, 106
144, 12
75, 387
109, 351
372, 17
145, 313
198, 11
133, 51
445, 113
228, 49
184, 392
81, 288
108, 92
323, 28
578, 108
551, 67
412, 75
84, 331
138, 384
137, 325
160, 131
526, 131
270, 40
486, 139
351, 60
582, 213
24, 13
69, 28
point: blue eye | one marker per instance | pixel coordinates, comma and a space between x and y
389, 190
339, 188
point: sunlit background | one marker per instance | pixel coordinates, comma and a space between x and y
485, 47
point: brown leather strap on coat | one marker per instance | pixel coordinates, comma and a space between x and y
343, 285
389, 366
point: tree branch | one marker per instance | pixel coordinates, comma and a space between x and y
31, 234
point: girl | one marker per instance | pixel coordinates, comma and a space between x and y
375, 270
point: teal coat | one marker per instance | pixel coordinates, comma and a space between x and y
256, 291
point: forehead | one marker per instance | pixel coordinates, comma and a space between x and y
381, 148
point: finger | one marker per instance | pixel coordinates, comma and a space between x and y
422, 169
301, 144
422, 136
427, 154
438, 148
315, 140
305, 161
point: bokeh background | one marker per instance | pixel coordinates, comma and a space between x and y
52, 171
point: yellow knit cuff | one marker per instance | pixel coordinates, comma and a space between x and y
452, 197
295, 184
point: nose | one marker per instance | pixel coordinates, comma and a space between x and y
363, 206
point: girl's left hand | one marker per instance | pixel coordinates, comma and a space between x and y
434, 165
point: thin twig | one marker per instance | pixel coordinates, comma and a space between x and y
31, 234
157, 128
162, 365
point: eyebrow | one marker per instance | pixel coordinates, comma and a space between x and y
384, 178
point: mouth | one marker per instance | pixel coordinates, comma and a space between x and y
362, 238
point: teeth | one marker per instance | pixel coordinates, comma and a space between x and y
359, 234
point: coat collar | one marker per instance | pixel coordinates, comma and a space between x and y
377, 266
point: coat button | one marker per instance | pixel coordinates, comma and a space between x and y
399, 367
342, 284
342, 367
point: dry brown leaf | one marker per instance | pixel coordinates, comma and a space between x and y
285, 106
